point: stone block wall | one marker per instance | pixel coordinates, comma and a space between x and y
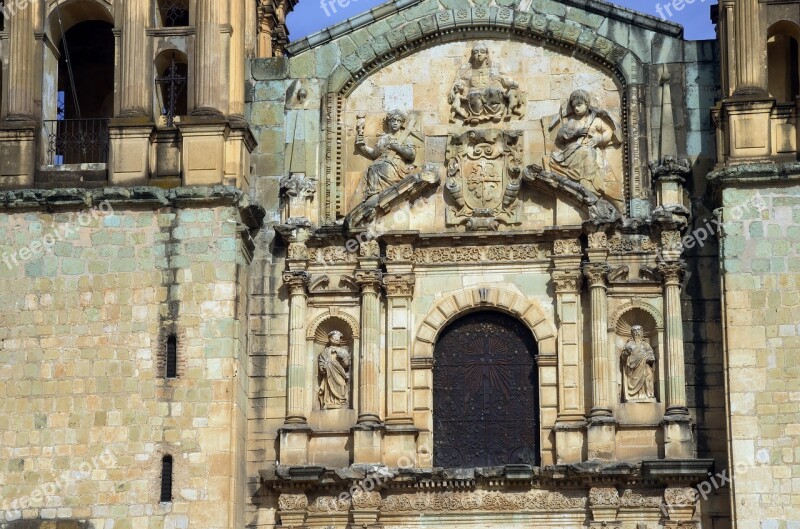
86, 413
761, 289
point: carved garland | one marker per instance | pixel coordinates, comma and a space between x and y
535, 500
477, 254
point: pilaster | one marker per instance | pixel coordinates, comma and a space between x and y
570, 421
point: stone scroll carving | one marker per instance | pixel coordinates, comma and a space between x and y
481, 93
334, 373
484, 178
638, 361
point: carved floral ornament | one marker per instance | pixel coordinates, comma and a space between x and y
292, 502
534, 500
603, 496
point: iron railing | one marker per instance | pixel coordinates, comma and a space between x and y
73, 141
174, 13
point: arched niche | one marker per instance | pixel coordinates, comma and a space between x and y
623, 323
317, 339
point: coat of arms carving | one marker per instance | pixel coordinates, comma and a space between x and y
484, 178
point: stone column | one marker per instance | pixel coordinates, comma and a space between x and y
727, 53
266, 22
297, 282
601, 371
136, 97
208, 83
748, 43
601, 423
237, 60
678, 441
369, 384
672, 273
22, 66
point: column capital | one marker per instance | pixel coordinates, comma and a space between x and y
297, 280
567, 280
672, 272
369, 280
399, 285
596, 274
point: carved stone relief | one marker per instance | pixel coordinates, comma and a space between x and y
483, 178
479, 130
585, 133
393, 155
481, 93
334, 373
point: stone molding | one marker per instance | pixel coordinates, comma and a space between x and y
453, 304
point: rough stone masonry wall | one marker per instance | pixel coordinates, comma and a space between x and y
761, 289
85, 411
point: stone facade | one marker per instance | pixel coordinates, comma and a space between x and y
457, 263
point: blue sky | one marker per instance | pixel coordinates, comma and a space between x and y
308, 17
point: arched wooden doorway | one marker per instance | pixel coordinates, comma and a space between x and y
485, 393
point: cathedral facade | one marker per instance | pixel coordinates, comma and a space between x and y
447, 263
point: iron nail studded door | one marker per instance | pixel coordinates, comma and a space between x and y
485, 393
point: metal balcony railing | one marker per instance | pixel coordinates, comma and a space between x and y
76, 141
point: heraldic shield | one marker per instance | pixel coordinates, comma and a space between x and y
483, 178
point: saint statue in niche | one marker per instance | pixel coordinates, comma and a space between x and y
638, 361
334, 371
393, 154
481, 93
585, 133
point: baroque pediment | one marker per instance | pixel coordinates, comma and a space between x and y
490, 143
